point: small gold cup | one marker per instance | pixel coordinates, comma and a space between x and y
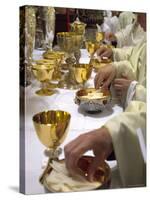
44, 73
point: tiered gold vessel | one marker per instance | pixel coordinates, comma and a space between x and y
70, 42
78, 27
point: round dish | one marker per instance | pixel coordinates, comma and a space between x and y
92, 100
102, 174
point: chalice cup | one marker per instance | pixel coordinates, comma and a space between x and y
60, 58
70, 42
51, 128
91, 47
79, 74
100, 36
44, 73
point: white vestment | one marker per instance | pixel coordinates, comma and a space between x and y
130, 36
123, 128
131, 62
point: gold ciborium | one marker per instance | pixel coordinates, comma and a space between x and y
51, 128
70, 42
77, 76
43, 72
78, 27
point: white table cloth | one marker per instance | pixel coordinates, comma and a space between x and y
81, 122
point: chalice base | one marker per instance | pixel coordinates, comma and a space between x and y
45, 92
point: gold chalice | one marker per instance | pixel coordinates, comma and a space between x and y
51, 128
44, 72
100, 36
60, 58
77, 76
70, 42
91, 47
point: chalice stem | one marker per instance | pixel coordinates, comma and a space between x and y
46, 171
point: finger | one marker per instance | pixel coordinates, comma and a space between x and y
118, 87
74, 156
98, 81
119, 93
108, 81
105, 54
119, 81
94, 166
100, 51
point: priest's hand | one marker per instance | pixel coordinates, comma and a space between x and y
110, 37
121, 86
105, 76
103, 51
99, 141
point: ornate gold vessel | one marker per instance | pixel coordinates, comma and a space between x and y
43, 72
51, 128
78, 27
92, 100
70, 42
77, 76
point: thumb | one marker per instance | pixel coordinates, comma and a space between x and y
93, 167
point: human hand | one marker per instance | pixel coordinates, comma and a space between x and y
104, 76
98, 140
110, 36
121, 86
104, 52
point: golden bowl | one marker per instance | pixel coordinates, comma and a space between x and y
69, 41
54, 54
80, 73
92, 100
101, 175
51, 127
43, 72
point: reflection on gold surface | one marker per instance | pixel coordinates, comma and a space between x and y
92, 100
97, 63
99, 36
91, 47
77, 76
51, 127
